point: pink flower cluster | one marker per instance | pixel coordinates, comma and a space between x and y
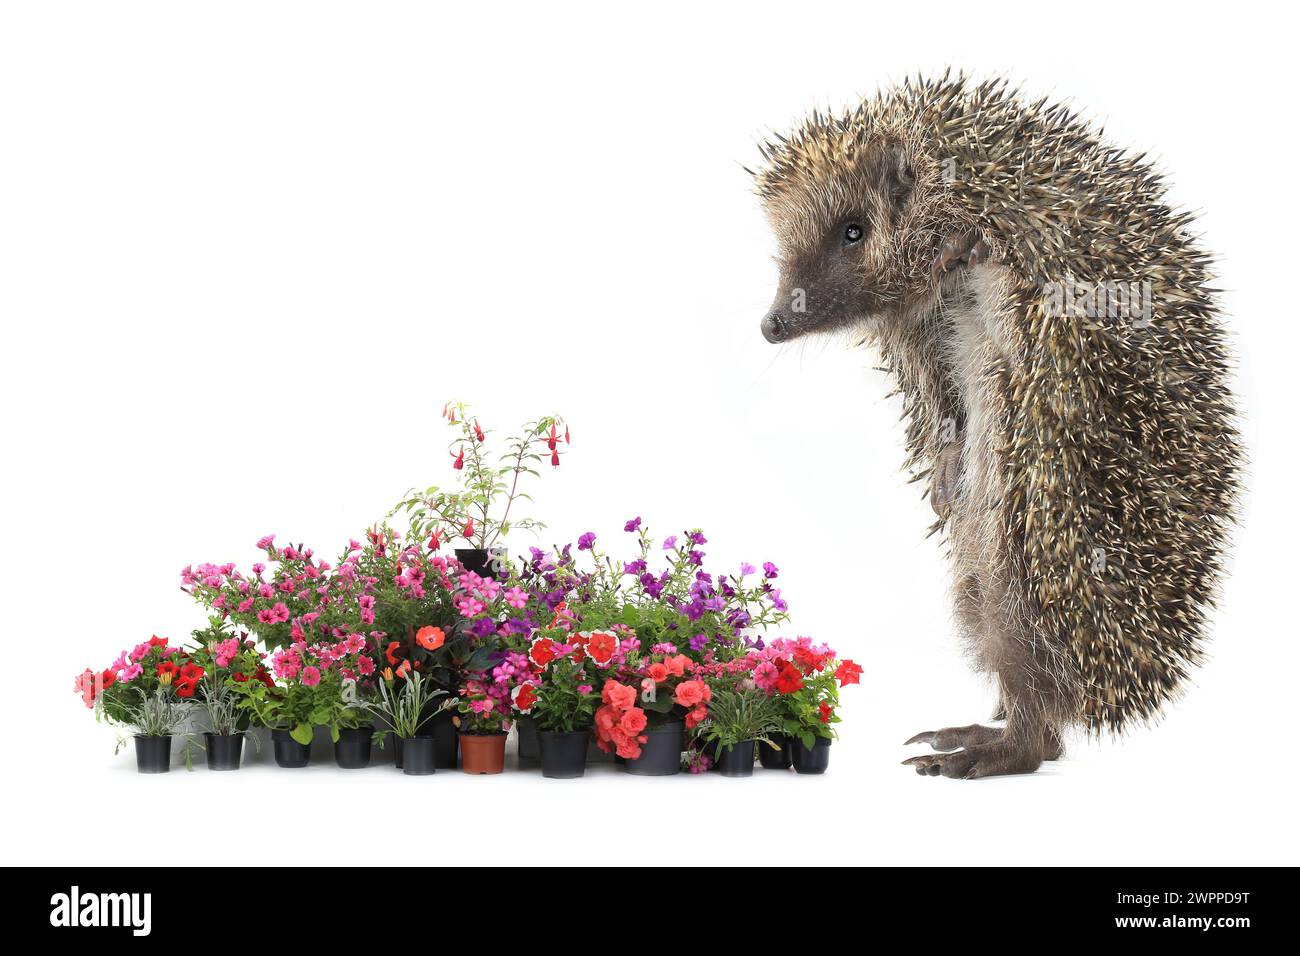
308, 663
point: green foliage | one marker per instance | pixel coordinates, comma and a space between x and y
738, 713
561, 707
481, 510
401, 704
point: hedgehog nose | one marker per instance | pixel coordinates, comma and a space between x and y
773, 326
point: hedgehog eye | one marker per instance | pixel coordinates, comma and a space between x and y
853, 233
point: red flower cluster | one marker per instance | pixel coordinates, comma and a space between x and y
619, 721
788, 678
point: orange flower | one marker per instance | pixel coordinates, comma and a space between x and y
405, 669
601, 647
430, 638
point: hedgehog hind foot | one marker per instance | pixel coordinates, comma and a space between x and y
957, 738
983, 760
976, 735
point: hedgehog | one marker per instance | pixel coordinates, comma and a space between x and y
1063, 370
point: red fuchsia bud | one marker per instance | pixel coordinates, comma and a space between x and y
555, 459
566, 434
478, 432
459, 463
469, 528
550, 440
444, 409
435, 542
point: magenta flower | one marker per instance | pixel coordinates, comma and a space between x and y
310, 676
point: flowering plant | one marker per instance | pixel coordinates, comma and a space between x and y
738, 712
227, 660
291, 597
488, 698
568, 668
806, 679
438, 515
148, 688
619, 721
315, 685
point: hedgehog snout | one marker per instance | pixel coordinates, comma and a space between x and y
775, 327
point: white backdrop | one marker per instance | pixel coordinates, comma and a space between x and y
248, 250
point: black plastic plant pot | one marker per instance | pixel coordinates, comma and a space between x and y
417, 755
737, 760
777, 758
814, 759
352, 749
479, 561
153, 754
529, 748
446, 741
288, 752
397, 749
661, 754
564, 755
224, 750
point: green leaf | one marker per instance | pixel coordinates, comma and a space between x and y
334, 732
302, 733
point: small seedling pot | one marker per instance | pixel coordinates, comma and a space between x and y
563, 755
446, 740
775, 758
814, 759
288, 752
529, 746
224, 750
661, 754
483, 753
737, 760
153, 754
352, 749
417, 756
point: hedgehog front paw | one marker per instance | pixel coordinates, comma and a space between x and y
960, 249
988, 760
946, 474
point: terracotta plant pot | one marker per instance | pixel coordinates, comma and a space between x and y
483, 753
564, 756
775, 758
417, 756
661, 754
153, 754
814, 759
288, 752
224, 751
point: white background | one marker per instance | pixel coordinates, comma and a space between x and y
247, 250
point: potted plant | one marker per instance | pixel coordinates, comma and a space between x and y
563, 703
481, 512
149, 690
315, 685
227, 660
485, 703
805, 680
740, 716
402, 704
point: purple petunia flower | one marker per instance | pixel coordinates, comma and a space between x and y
746, 568
670, 542
770, 570
633, 525
586, 541
697, 537
698, 642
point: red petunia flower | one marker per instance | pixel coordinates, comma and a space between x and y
524, 696
542, 652
190, 673
108, 679
167, 672
788, 678
157, 641
601, 647
848, 673
186, 688
826, 712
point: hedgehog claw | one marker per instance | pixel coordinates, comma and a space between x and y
980, 761
954, 738
965, 248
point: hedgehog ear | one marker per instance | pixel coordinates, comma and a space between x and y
898, 177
